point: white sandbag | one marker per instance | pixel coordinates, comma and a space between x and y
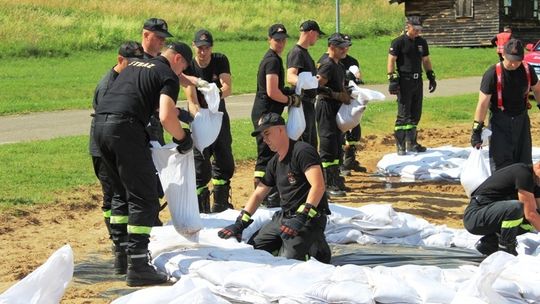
211, 95
390, 288
349, 115
474, 171
177, 174
354, 69
296, 123
363, 95
205, 128
341, 292
480, 286
46, 284
306, 81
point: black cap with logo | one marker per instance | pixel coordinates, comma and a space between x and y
277, 31
338, 40
513, 50
158, 26
203, 37
268, 120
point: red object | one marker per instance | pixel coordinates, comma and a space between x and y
533, 56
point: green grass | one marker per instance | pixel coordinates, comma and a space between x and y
33, 172
46, 84
58, 27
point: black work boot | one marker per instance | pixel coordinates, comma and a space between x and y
412, 144
331, 175
487, 244
509, 247
350, 162
140, 272
120, 255
204, 201
399, 135
221, 198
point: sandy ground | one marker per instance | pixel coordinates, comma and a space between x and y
28, 236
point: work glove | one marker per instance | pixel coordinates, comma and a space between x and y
242, 222
201, 83
184, 115
288, 91
290, 227
294, 100
476, 137
185, 144
393, 83
343, 97
432, 82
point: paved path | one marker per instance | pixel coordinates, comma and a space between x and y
46, 125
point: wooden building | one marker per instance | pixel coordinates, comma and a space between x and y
474, 22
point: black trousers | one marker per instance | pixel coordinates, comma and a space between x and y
268, 238
409, 101
330, 136
510, 141
310, 133
504, 218
123, 143
352, 136
222, 166
100, 169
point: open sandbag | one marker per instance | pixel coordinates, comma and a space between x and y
177, 174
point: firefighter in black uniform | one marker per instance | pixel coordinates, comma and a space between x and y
298, 61
128, 51
509, 121
332, 93
504, 206
351, 137
409, 52
120, 121
272, 96
209, 67
296, 171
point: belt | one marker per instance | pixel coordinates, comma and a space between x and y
115, 117
412, 75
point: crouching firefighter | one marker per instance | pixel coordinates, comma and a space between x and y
298, 228
504, 206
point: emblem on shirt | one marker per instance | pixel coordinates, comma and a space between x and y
421, 49
291, 178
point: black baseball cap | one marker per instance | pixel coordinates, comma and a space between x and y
131, 49
415, 22
158, 26
182, 49
513, 50
347, 37
310, 25
277, 31
203, 37
268, 120
338, 40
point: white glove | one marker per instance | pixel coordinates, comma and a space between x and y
201, 83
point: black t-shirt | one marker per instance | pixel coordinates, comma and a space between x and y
300, 59
219, 64
409, 53
334, 73
514, 88
289, 176
347, 62
270, 64
102, 87
505, 183
136, 91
